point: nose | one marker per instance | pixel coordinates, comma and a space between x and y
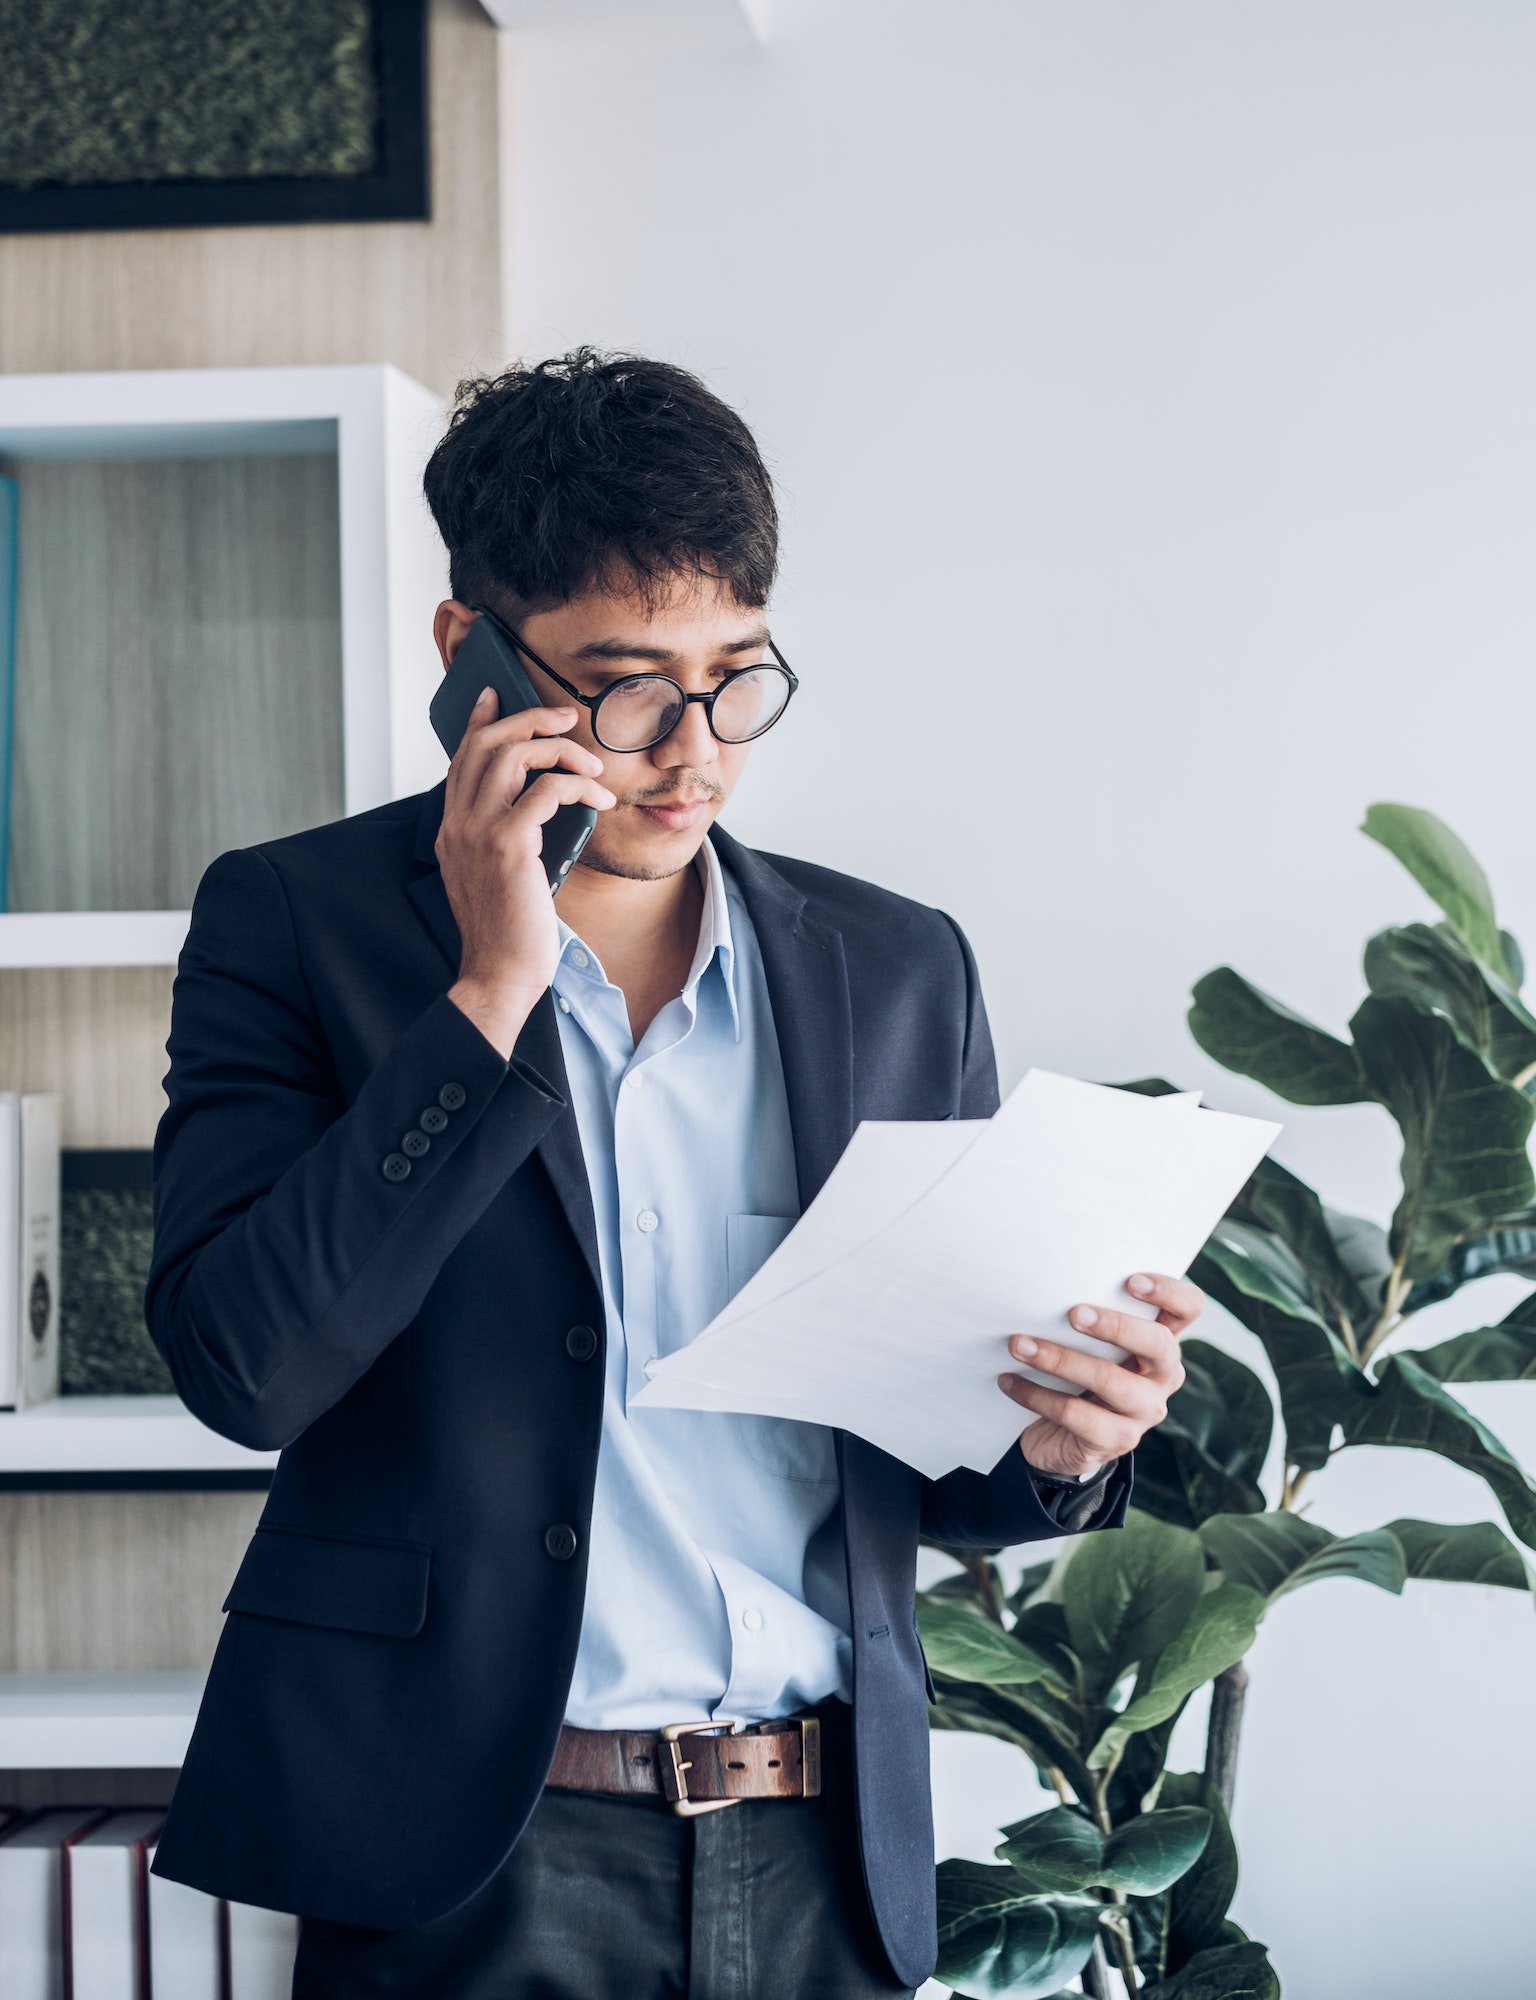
692, 742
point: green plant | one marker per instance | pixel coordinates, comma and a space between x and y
1088, 1662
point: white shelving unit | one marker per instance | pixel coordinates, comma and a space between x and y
122, 1434
97, 1722
379, 425
302, 566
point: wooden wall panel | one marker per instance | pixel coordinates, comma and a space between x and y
134, 1580
425, 295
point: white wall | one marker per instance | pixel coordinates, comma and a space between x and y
1150, 395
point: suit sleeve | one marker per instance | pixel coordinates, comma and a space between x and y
1002, 1507
286, 1257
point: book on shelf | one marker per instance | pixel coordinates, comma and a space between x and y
81, 1913
32, 1899
30, 1202
106, 1907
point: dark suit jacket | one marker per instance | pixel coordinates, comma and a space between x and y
385, 1695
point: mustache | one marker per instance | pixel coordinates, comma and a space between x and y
700, 796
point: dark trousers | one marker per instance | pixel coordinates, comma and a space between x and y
623, 1899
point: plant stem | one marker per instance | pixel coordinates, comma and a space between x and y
1124, 1955
1058, 1780
1388, 1319
1226, 1720
1096, 1973
978, 1568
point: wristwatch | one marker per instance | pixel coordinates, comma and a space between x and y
1072, 1498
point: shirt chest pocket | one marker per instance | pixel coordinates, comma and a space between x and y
782, 1445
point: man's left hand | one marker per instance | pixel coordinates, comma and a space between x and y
1121, 1400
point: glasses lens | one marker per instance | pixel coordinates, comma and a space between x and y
748, 702
634, 714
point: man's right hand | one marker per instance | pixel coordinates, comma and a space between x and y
490, 849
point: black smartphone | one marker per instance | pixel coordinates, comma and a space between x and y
487, 658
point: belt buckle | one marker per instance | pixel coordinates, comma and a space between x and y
679, 1800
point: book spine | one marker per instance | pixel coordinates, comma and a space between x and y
38, 1377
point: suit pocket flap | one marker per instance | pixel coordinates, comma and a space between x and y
328, 1580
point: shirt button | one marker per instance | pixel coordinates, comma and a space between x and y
752, 1618
579, 957
581, 1343
396, 1166
564, 1004
451, 1096
560, 1540
647, 1220
432, 1118
634, 1079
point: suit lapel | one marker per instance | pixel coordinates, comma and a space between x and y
807, 979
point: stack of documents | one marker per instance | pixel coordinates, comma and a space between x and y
887, 1309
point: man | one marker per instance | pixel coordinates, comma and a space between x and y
445, 1161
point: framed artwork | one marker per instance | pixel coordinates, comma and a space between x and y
163, 114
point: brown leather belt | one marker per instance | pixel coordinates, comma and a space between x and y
693, 1770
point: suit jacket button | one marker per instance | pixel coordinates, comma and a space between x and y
396, 1166
415, 1143
581, 1343
560, 1540
451, 1096
433, 1119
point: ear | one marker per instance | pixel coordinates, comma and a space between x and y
450, 622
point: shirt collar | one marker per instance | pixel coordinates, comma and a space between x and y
714, 936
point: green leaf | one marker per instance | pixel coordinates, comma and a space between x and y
1467, 1552
1198, 1902
1444, 866
995, 1939
1226, 1972
1256, 1278
1029, 1582
1502, 1353
1219, 1632
1126, 1595
1342, 1261
1149, 1854
1464, 1165
1249, 1031
961, 1642
1511, 1247
1429, 966
1043, 1628
1225, 1409
1060, 1851
1136, 1783
1048, 1738
1206, 1455
1274, 1553
1408, 1407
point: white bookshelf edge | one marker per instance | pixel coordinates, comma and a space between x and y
118, 1434
97, 1721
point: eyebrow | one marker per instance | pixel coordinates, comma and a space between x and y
631, 649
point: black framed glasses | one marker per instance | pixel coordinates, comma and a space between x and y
637, 712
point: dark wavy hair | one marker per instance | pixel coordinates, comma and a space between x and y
598, 471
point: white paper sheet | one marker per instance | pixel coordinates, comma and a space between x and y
887, 1309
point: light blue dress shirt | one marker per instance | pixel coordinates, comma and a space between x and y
716, 1582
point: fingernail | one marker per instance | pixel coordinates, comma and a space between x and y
1083, 1317
1140, 1283
480, 697
1023, 1346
